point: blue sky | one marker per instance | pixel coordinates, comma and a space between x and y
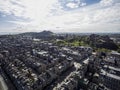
60, 15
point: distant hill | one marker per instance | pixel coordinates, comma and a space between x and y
43, 34
46, 33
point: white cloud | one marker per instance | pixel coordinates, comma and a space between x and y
106, 2
72, 5
7, 7
27, 8
75, 5
49, 14
83, 4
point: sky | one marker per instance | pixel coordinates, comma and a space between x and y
60, 15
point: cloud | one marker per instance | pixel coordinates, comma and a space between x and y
75, 4
27, 8
50, 14
7, 7
106, 2
109, 2
72, 5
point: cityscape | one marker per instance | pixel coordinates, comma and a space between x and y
49, 61
59, 45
